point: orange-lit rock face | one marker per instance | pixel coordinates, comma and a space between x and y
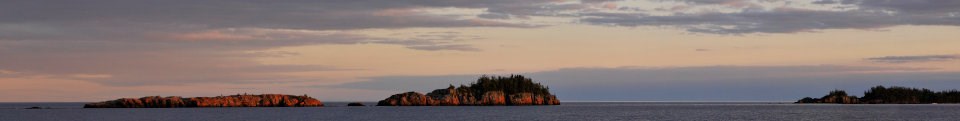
409, 98
265, 100
493, 98
450, 97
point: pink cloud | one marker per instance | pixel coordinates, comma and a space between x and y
210, 35
610, 6
740, 4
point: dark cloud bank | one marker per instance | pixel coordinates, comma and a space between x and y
913, 59
858, 14
710, 83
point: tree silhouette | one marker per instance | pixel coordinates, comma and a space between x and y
892, 95
508, 84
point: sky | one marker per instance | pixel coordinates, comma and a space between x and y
367, 50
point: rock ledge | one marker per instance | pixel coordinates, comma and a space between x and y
264, 100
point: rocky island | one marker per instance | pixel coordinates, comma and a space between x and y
486, 91
889, 95
265, 100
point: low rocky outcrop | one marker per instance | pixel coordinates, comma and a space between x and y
265, 100
836, 96
488, 91
355, 104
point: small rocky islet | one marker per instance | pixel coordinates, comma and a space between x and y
264, 100
487, 91
355, 104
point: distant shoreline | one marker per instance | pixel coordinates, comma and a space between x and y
888, 95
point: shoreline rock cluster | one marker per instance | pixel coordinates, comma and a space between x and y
489, 91
264, 100
889, 95
836, 96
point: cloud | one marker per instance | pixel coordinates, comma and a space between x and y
112, 18
406, 83
296, 22
135, 42
134, 67
730, 3
494, 16
8, 72
706, 83
913, 59
444, 47
175, 42
749, 16
170, 59
826, 2
313, 15
910, 6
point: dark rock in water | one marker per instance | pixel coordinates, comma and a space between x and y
355, 104
808, 100
265, 100
488, 91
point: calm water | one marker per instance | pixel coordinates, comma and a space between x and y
567, 111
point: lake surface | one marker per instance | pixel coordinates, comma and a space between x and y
567, 111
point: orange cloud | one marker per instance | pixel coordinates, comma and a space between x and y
739, 3
88, 76
610, 6
2, 72
210, 35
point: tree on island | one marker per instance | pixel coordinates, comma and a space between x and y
508, 84
905, 95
